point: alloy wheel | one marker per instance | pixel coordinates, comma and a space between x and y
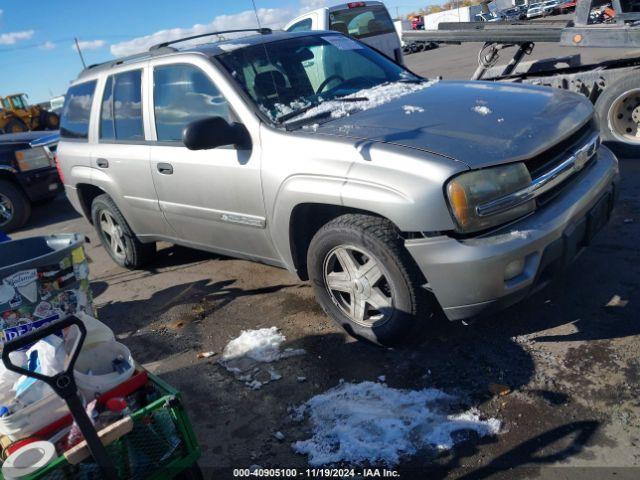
357, 283
114, 235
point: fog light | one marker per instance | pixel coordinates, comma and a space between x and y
514, 269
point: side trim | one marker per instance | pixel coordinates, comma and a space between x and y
210, 214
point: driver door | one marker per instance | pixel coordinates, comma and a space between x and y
212, 199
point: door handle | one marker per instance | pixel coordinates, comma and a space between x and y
165, 168
102, 163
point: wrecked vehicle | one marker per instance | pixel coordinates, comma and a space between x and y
394, 195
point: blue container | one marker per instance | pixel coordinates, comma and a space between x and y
42, 279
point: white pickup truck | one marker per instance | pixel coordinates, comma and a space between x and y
368, 22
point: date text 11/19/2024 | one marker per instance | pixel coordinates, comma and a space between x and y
315, 473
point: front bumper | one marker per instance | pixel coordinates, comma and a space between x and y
468, 276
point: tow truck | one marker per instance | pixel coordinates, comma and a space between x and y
612, 86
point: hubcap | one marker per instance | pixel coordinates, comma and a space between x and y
112, 232
357, 284
6, 210
624, 117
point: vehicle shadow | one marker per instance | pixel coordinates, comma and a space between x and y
57, 210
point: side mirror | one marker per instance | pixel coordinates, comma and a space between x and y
213, 132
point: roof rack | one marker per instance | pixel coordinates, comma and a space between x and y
261, 31
121, 61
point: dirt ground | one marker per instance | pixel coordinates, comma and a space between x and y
571, 363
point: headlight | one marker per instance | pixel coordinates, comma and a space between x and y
470, 189
33, 158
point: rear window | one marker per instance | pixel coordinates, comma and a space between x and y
362, 22
74, 122
121, 111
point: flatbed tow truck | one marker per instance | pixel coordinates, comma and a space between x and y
612, 86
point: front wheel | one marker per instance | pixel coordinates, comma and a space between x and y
365, 280
618, 109
116, 235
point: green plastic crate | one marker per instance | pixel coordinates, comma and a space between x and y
160, 446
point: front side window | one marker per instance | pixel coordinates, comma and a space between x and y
183, 94
362, 22
301, 26
6, 104
74, 122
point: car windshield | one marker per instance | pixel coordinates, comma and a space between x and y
308, 75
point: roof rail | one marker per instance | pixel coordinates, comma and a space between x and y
261, 31
121, 61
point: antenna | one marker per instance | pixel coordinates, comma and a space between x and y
84, 65
255, 10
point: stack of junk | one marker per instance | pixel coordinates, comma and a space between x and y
139, 419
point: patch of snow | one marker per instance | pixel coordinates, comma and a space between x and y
409, 109
482, 110
279, 436
244, 356
382, 378
372, 423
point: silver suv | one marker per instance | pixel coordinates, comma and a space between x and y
394, 195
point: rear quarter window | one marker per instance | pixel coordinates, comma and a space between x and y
362, 22
74, 122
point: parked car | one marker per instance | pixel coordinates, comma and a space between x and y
396, 196
27, 174
542, 9
368, 22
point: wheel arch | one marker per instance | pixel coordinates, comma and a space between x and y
87, 194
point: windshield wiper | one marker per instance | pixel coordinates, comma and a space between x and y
297, 113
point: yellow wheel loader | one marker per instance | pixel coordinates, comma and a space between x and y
16, 115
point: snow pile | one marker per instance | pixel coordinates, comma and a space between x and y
409, 109
371, 422
482, 110
244, 355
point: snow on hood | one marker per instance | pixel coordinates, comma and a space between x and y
372, 423
477, 123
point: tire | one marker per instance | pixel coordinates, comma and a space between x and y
15, 125
404, 306
618, 109
15, 208
51, 121
116, 235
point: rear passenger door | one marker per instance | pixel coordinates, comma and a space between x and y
211, 198
120, 158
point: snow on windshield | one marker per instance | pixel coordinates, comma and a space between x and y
344, 106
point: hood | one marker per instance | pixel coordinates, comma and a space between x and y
477, 123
